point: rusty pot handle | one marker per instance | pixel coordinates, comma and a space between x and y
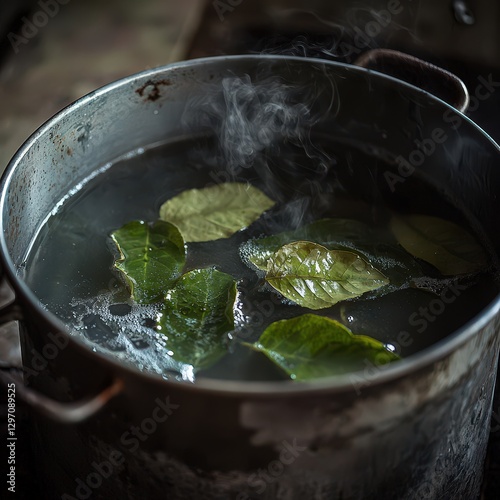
422, 74
66, 413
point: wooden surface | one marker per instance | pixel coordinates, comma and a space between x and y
86, 44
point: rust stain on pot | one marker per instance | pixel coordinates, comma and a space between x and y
151, 89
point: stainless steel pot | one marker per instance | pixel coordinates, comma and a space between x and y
415, 429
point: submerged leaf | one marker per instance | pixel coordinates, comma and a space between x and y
445, 245
338, 233
315, 277
311, 346
197, 315
151, 258
215, 212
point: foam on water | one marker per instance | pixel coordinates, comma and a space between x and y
129, 336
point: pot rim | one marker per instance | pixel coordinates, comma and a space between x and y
333, 384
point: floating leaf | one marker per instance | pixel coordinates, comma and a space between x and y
342, 234
315, 277
445, 245
311, 346
197, 315
151, 258
216, 211
331, 233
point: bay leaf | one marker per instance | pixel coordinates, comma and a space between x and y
444, 244
311, 346
315, 277
216, 211
151, 258
332, 233
197, 315
342, 234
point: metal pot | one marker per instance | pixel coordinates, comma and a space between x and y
415, 429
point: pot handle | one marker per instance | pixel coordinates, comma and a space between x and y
66, 413
422, 74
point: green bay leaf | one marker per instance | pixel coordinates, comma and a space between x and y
216, 211
342, 234
444, 244
151, 258
315, 277
331, 233
310, 346
197, 315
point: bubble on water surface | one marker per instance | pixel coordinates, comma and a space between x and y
127, 332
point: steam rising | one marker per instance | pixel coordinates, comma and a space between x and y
256, 117
345, 36
264, 129
252, 120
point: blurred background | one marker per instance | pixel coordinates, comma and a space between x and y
55, 51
